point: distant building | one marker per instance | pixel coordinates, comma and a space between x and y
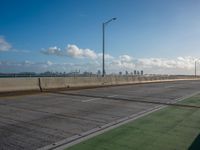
141, 72
135, 72
126, 73
99, 72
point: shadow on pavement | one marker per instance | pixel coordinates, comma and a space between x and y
196, 144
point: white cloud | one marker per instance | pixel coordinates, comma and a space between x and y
123, 62
49, 63
4, 45
74, 51
27, 62
89, 54
53, 51
107, 56
179, 65
179, 62
71, 51
125, 58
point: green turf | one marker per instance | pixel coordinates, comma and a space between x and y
172, 128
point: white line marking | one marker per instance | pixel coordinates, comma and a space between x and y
92, 99
60, 145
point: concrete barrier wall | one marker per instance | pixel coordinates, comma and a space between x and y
67, 82
18, 84
23, 84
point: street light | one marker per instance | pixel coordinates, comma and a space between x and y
103, 57
195, 67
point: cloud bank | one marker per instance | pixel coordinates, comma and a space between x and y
179, 65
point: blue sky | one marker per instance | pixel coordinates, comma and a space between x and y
148, 34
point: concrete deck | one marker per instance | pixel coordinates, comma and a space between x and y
34, 121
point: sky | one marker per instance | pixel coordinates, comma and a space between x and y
157, 36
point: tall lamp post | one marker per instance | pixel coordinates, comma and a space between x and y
195, 67
103, 57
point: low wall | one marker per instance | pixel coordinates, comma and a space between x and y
45, 83
18, 84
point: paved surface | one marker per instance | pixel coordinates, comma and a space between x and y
34, 121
